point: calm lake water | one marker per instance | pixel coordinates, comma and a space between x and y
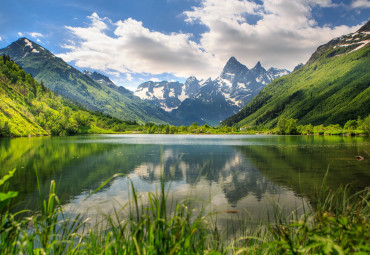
247, 173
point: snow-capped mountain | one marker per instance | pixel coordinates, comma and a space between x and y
239, 84
24, 49
210, 101
167, 95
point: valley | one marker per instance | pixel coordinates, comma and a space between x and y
185, 127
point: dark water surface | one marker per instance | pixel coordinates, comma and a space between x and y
230, 172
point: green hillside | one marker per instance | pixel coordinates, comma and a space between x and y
70, 83
332, 88
29, 108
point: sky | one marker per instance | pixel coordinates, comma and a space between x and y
136, 41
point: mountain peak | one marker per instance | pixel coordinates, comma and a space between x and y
232, 62
191, 86
232, 59
365, 28
25, 42
23, 47
258, 65
208, 80
23, 39
191, 79
299, 66
343, 44
87, 72
233, 67
100, 78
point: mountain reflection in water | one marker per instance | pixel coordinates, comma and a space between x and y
232, 173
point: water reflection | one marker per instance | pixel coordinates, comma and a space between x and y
245, 173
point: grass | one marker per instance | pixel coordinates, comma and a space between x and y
339, 224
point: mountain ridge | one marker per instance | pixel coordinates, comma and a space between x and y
210, 101
67, 81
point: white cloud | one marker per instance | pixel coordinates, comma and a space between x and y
284, 35
129, 77
360, 4
20, 34
154, 79
35, 34
136, 49
1, 38
116, 74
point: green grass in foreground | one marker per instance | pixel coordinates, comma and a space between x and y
338, 225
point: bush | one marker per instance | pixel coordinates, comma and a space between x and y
287, 126
365, 126
350, 125
5, 129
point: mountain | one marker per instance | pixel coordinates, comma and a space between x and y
29, 108
331, 88
101, 95
207, 106
299, 66
227, 94
104, 80
209, 101
167, 95
98, 77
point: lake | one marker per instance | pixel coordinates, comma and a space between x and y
249, 174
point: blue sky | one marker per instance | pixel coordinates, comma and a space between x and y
136, 41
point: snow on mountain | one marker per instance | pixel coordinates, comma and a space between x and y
228, 93
240, 84
167, 95
344, 44
28, 43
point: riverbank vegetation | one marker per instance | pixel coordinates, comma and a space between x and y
337, 223
284, 127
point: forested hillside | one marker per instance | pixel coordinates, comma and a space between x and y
27, 107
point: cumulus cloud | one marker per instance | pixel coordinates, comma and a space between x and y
134, 48
20, 34
360, 4
1, 38
129, 77
36, 35
283, 33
